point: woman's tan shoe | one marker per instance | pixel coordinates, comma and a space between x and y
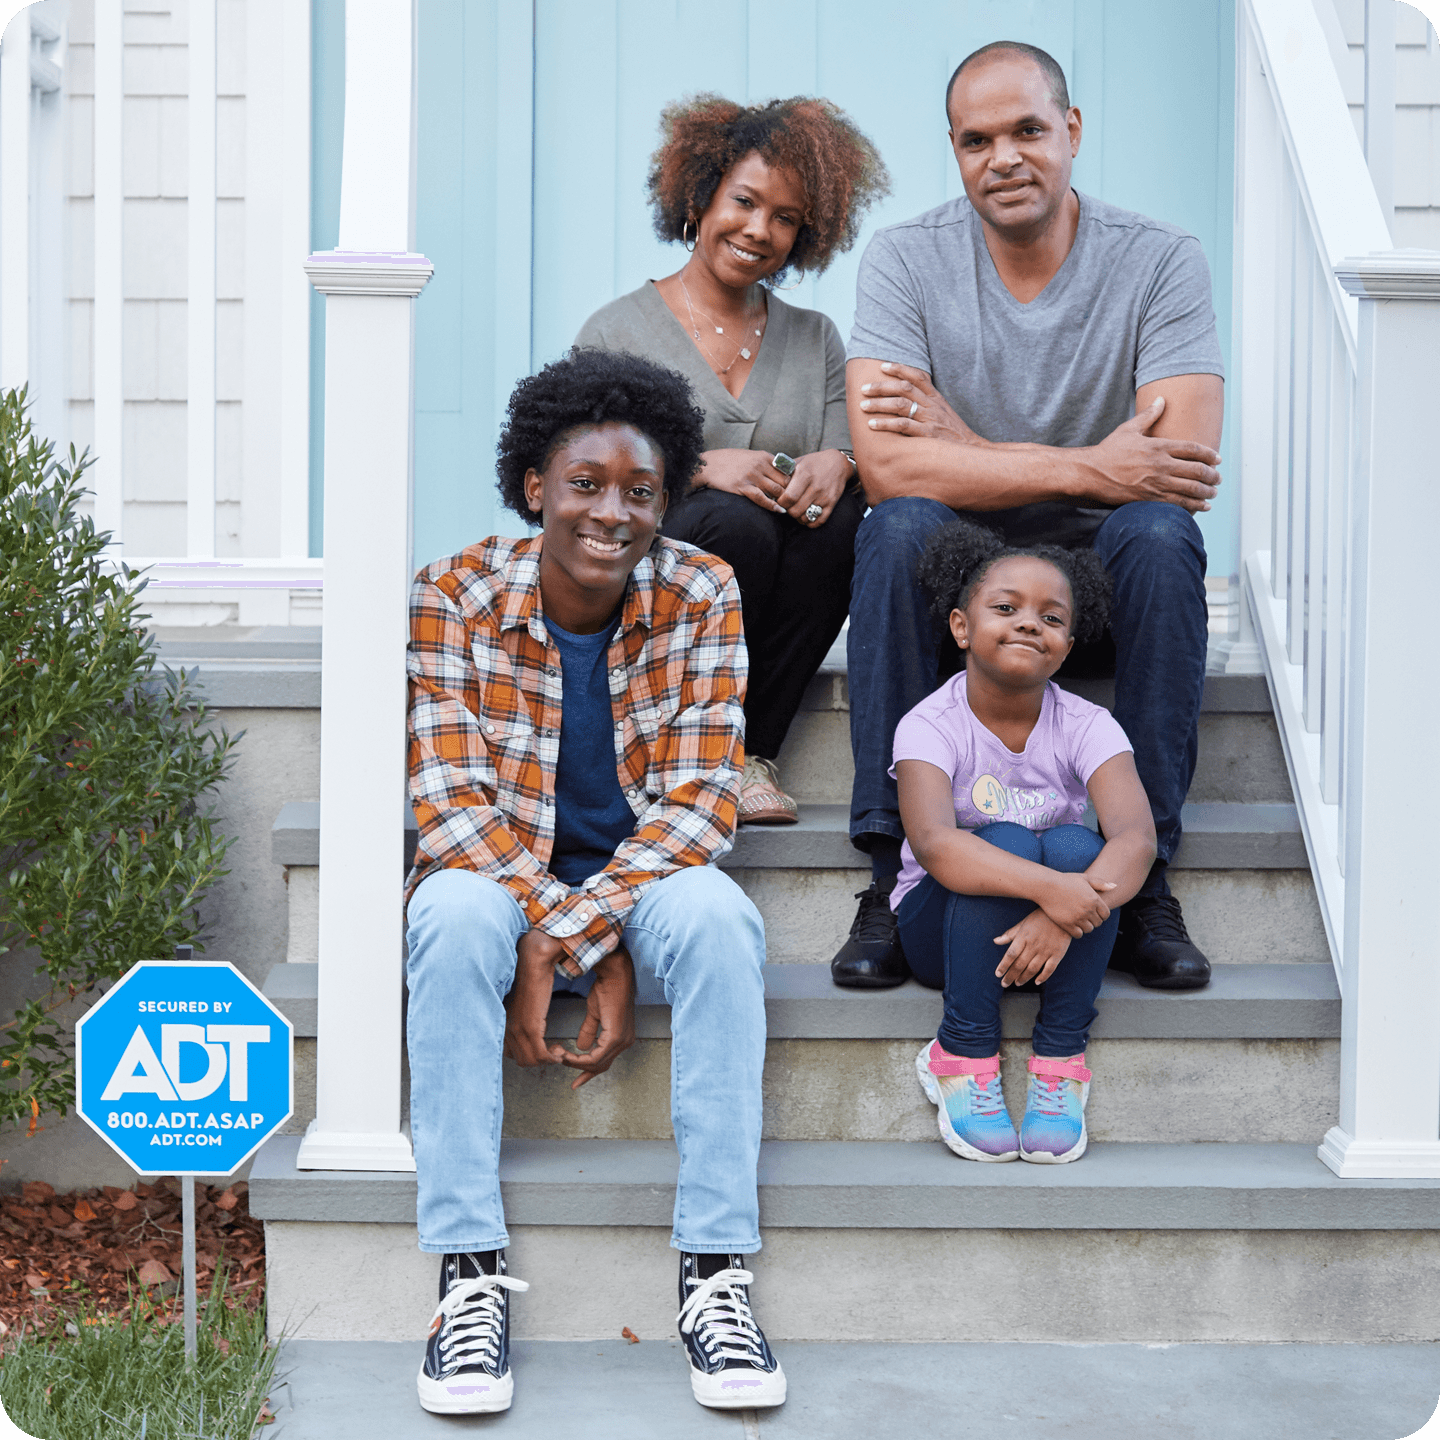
762, 801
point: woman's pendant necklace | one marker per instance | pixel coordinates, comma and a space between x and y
743, 353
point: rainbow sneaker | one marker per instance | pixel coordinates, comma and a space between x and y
1053, 1128
973, 1119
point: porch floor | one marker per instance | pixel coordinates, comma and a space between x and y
611, 1390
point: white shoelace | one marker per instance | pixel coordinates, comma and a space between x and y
719, 1307
475, 1309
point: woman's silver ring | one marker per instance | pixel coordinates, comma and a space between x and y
813, 513
914, 406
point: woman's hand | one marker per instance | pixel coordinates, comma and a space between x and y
888, 403
744, 472
819, 479
1074, 903
1035, 947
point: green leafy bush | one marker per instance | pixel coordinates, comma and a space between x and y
104, 760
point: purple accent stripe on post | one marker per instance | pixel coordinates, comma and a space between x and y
369, 257
236, 585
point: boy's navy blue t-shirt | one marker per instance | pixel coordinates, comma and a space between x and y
592, 815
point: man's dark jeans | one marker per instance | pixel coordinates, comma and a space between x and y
1156, 557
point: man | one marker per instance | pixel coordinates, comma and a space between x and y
1048, 365
575, 743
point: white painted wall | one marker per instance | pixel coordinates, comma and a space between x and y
257, 182
1417, 109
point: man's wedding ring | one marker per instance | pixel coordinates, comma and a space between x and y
914, 406
813, 513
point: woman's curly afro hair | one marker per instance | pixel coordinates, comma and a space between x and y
961, 553
598, 387
840, 171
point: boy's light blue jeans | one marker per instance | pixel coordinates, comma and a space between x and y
697, 942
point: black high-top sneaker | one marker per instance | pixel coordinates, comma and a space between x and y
466, 1370
731, 1366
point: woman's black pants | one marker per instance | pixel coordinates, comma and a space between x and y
794, 590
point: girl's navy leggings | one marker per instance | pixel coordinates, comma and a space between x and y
950, 943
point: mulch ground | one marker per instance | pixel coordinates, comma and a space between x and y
98, 1249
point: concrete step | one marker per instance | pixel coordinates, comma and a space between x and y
1241, 874
1218, 836
337, 1390
1262, 1241
1255, 1057
1240, 759
1234, 916
1242, 1002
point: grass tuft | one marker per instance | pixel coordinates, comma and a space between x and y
103, 1378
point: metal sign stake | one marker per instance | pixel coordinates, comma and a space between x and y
187, 1211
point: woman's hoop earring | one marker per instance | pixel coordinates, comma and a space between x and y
691, 246
798, 280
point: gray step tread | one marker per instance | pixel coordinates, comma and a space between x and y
1218, 836
849, 1390
1242, 1002
278, 666
853, 1184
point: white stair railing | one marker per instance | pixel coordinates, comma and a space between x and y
1340, 504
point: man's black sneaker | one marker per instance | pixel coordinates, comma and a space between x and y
466, 1370
872, 958
1153, 945
731, 1367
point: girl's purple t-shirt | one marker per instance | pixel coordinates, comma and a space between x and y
1043, 787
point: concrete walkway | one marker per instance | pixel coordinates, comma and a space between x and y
334, 1390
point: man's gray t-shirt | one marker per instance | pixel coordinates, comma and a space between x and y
1130, 304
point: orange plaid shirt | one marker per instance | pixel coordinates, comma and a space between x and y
484, 729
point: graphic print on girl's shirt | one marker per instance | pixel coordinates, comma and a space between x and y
1043, 786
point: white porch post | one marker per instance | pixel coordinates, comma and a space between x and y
15, 203
1259, 161
1390, 982
370, 283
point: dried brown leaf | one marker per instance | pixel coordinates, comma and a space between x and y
154, 1272
626, 1333
125, 1200
84, 1211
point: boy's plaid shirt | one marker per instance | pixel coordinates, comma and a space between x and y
484, 729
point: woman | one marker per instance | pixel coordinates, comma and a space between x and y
754, 194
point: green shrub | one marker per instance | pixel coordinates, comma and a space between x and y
104, 760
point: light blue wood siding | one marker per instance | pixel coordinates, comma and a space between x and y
1154, 84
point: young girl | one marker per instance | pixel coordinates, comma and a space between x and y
1001, 883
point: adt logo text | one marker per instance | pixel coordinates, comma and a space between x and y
184, 1067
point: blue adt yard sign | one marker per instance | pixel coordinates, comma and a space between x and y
184, 1067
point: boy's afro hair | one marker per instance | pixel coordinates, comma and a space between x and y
959, 555
597, 387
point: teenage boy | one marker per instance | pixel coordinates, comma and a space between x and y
575, 758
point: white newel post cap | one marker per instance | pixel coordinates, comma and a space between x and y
368, 272
1391, 275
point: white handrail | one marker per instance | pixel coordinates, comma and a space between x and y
1340, 345
1324, 150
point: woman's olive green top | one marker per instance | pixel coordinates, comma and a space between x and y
794, 399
